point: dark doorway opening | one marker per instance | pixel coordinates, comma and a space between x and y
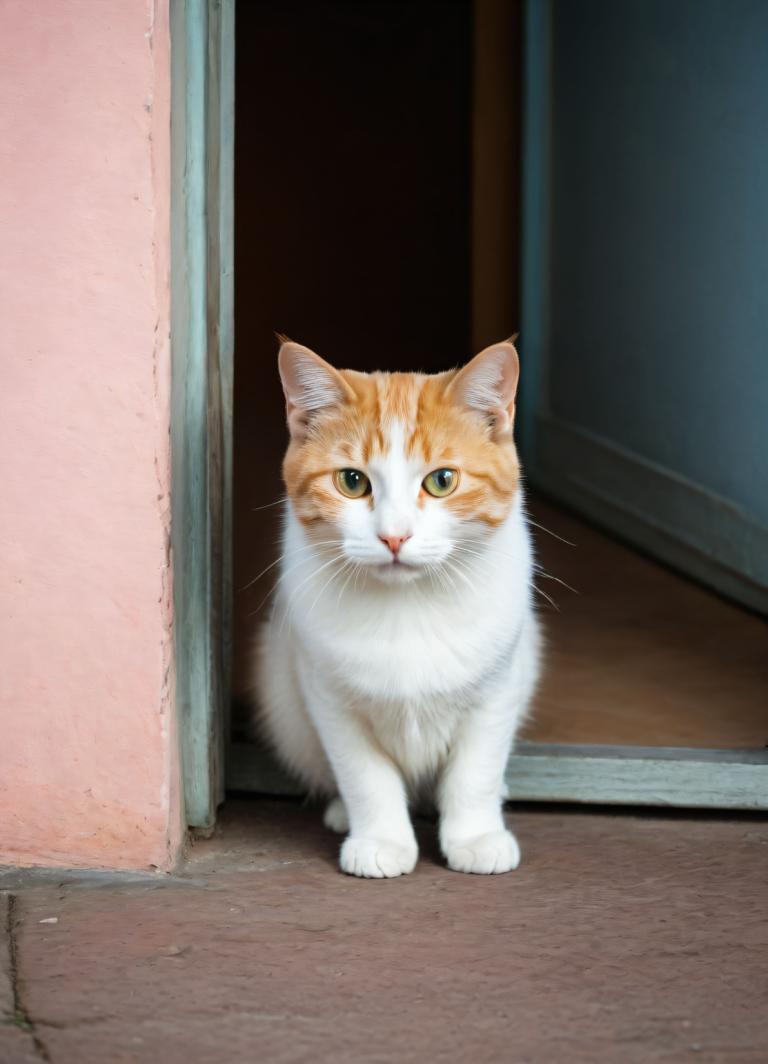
353, 232
378, 221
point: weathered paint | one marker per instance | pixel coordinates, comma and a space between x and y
89, 768
203, 335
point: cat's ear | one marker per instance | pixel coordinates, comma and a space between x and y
310, 385
487, 385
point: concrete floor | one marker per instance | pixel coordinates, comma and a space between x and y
622, 938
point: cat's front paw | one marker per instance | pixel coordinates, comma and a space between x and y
484, 855
377, 858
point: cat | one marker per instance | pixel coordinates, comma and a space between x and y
403, 648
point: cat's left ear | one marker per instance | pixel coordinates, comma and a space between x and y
487, 385
311, 385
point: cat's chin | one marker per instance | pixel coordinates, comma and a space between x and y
396, 572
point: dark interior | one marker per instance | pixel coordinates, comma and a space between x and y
353, 215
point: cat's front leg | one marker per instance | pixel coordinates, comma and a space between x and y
473, 835
381, 841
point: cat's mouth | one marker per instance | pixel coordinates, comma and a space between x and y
396, 562
396, 570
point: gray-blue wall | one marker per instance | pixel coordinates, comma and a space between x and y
659, 254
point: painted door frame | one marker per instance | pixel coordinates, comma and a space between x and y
203, 49
202, 345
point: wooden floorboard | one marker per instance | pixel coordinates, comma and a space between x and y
638, 655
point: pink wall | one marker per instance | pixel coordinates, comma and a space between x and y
89, 772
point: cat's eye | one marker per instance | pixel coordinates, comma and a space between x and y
441, 482
352, 483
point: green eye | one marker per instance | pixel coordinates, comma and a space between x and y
441, 482
352, 483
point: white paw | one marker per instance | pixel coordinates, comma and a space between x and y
376, 859
484, 855
335, 816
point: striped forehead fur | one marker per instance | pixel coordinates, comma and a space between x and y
435, 427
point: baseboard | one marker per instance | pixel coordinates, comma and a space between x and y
691, 529
643, 776
611, 775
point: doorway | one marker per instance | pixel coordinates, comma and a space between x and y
396, 208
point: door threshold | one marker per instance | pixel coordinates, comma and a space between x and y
673, 776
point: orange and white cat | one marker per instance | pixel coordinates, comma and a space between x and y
403, 648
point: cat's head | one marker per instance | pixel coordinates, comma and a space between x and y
401, 470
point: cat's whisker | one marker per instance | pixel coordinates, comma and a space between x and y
445, 577
357, 574
443, 570
428, 571
459, 563
538, 568
263, 572
459, 547
549, 576
282, 577
490, 553
543, 594
290, 570
435, 577
549, 531
485, 560
337, 557
285, 554
469, 573
489, 560
266, 506
325, 585
455, 567
352, 571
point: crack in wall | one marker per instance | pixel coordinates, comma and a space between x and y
20, 1016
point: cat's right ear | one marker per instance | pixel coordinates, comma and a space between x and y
310, 385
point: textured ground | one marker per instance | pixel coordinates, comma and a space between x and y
621, 938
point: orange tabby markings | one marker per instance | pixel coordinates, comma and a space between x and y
438, 429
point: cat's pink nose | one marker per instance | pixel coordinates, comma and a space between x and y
394, 542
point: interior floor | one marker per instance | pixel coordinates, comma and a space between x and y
615, 940
638, 655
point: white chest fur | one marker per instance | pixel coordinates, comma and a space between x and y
410, 659
414, 642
